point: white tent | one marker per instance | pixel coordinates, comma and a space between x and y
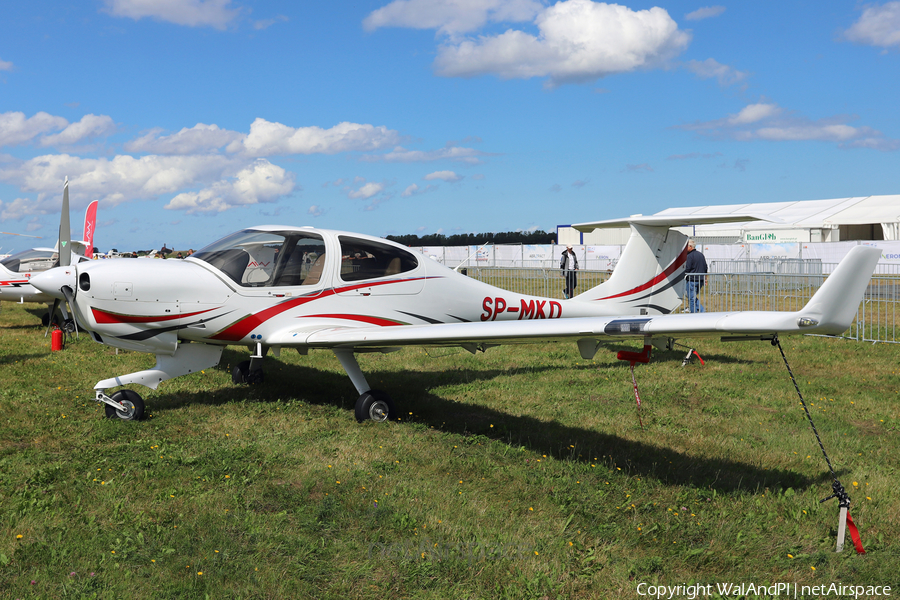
859, 218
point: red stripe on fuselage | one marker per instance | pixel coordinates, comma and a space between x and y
243, 327
361, 318
106, 318
680, 260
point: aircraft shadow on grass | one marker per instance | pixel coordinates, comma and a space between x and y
636, 458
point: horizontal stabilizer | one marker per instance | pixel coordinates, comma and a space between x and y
672, 221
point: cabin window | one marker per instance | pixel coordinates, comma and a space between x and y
368, 259
31, 261
268, 258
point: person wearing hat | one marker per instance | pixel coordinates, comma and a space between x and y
569, 264
695, 275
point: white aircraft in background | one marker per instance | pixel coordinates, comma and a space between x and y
274, 287
17, 270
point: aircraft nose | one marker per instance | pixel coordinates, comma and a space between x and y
52, 280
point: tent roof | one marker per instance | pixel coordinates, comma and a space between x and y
803, 214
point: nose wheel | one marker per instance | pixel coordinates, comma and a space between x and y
375, 405
133, 403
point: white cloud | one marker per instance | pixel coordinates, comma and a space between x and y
448, 176
112, 181
768, 121
451, 17
710, 68
578, 40
15, 129
415, 190
266, 23
192, 13
268, 139
453, 153
90, 126
753, 113
877, 26
199, 138
20, 208
366, 191
5, 65
315, 211
260, 182
707, 12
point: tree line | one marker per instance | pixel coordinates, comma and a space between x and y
475, 239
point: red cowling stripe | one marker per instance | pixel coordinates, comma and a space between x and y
241, 328
105, 317
362, 318
680, 260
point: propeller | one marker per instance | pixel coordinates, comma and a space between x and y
65, 230
20, 234
65, 260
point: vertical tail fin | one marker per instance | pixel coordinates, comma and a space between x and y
649, 274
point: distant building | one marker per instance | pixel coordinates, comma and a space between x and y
873, 218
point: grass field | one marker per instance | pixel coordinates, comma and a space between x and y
518, 473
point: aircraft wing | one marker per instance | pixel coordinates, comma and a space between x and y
509, 332
830, 311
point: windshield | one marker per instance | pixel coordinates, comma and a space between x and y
268, 258
30, 261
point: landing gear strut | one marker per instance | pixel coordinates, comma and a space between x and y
371, 404
132, 403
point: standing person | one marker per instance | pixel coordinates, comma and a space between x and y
569, 264
694, 275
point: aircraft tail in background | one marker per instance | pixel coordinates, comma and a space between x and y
650, 273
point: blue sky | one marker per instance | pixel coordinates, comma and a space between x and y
189, 119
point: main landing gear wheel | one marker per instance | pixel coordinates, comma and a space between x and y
375, 405
242, 374
132, 402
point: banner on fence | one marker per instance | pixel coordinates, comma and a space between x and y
601, 258
787, 250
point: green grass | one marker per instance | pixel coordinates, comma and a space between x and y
518, 473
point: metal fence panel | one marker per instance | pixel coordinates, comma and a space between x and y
876, 319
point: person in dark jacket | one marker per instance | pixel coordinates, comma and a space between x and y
695, 277
569, 264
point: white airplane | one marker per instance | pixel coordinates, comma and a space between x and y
274, 287
17, 270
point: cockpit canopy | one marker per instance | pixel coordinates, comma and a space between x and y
31, 261
253, 258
